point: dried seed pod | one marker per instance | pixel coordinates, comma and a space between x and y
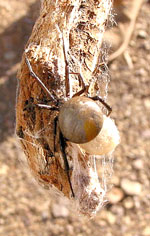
106, 141
80, 119
66, 38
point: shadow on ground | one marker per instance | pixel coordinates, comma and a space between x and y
12, 42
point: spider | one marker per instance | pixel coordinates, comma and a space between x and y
80, 118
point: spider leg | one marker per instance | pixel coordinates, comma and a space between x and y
81, 83
55, 132
67, 84
84, 90
41, 84
95, 98
81, 80
49, 107
63, 146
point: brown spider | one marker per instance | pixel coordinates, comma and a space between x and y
80, 118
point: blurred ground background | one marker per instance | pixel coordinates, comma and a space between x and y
25, 208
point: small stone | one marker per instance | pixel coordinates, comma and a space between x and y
146, 45
115, 180
70, 229
59, 211
141, 72
2, 221
118, 210
131, 187
45, 215
115, 195
128, 203
146, 134
111, 218
147, 103
4, 170
138, 164
127, 220
146, 231
102, 223
142, 34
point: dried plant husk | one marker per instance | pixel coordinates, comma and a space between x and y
80, 24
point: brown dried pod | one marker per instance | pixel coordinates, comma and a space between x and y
61, 59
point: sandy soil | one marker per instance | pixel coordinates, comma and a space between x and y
26, 209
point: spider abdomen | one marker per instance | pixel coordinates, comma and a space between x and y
80, 119
106, 141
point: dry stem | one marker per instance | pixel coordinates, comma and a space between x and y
127, 37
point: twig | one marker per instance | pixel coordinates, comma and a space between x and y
136, 8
